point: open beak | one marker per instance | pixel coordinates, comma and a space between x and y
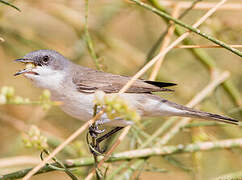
30, 64
24, 60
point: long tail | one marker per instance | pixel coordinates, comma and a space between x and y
211, 116
189, 112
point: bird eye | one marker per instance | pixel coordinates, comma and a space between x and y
45, 59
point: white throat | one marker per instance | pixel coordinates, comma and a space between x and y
47, 78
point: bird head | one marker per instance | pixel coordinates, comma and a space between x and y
46, 68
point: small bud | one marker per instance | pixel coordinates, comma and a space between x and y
4, 90
46, 94
8, 91
34, 139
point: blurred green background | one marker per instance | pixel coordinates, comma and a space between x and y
123, 35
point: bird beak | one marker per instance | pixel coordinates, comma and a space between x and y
30, 64
22, 72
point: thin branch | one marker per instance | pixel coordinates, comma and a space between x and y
203, 123
203, 5
194, 27
192, 6
165, 43
89, 39
205, 46
117, 170
203, 146
18, 161
160, 39
9, 4
140, 153
233, 92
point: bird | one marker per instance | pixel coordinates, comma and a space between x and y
75, 87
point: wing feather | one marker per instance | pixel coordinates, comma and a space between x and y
88, 81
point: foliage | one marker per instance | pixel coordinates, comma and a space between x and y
117, 36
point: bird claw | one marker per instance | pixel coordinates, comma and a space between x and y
94, 131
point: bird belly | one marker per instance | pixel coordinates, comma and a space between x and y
78, 105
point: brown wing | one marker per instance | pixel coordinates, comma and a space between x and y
89, 80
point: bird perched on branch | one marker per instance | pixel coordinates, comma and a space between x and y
75, 86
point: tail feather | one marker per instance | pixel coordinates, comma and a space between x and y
211, 116
189, 112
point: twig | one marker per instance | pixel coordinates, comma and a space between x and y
165, 43
206, 46
9, 4
89, 39
137, 165
18, 161
194, 27
59, 165
203, 5
140, 153
192, 6
160, 39
234, 93
201, 124
117, 170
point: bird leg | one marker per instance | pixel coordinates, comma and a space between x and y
95, 146
107, 135
94, 131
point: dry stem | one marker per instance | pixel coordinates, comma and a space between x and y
206, 46
203, 5
165, 43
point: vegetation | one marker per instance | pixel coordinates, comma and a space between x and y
144, 39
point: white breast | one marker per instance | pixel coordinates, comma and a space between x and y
78, 105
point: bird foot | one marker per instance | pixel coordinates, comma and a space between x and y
94, 131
